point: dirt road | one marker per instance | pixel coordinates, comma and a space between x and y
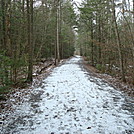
72, 101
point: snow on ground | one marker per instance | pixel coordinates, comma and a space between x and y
71, 101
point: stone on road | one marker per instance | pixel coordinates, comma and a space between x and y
72, 101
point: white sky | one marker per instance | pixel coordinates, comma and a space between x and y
78, 1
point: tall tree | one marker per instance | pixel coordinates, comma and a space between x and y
31, 31
58, 20
3, 24
118, 43
30, 38
107, 44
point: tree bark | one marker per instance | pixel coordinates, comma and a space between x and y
58, 48
92, 45
3, 24
99, 47
119, 44
30, 39
133, 44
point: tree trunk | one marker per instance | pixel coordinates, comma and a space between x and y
58, 50
119, 44
132, 38
30, 39
8, 29
92, 45
3, 24
99, 47
133, 45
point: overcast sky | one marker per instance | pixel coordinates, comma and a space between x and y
78, 1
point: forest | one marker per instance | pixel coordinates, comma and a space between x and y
106, 36
67, 66
31, 30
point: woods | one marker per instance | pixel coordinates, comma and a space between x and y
66, 66
100, 30
29, 31
106, 36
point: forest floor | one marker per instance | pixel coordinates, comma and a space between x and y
68, 100
113, 81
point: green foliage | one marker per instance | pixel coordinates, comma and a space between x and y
98, 66
4, 69
97, 36
68, 51
14, 40
4, 89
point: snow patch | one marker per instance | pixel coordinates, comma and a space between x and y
71, 102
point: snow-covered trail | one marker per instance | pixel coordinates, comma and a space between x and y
71, 101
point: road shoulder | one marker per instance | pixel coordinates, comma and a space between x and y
118, 84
